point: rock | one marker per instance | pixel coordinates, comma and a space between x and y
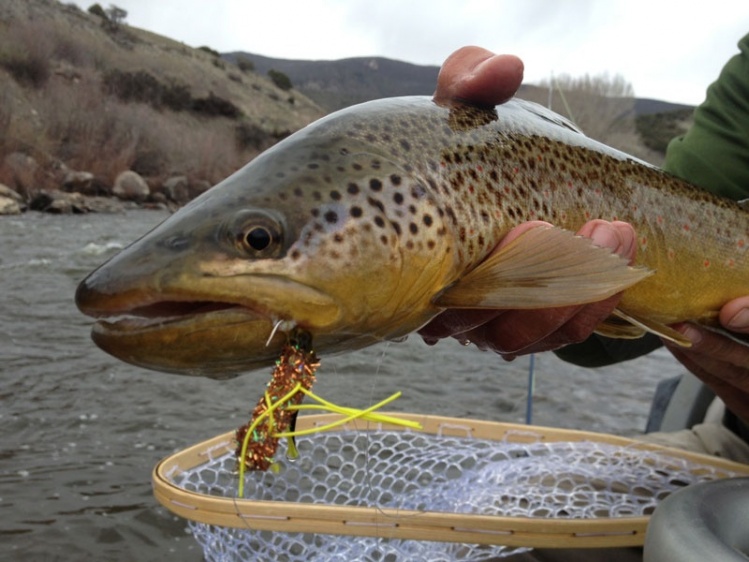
79, 182
176, 189
61, 202
9, 206
131, 187
198, 187
8, 193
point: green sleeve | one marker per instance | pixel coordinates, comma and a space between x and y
714, 155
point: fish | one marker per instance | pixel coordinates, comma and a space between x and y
367, 224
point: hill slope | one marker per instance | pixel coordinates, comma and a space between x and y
79, 91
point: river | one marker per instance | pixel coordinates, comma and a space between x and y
82, 431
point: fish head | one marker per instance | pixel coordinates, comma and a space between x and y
315, 233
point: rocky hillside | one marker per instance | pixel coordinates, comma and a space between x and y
84, 97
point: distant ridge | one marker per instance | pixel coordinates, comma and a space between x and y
334, 84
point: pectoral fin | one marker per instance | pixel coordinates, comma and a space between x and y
545, 267
626, 326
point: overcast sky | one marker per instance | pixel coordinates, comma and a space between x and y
668, 50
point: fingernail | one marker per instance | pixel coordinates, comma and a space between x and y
739, 321
605, 236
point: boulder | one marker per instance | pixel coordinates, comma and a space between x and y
79, 182
8, 193
130, 186
9, 206
61, 202
198, 187
176, 189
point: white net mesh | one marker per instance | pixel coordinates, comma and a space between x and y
418, 471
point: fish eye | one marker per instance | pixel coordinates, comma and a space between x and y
257, 234
258, 238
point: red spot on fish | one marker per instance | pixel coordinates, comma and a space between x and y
741, 243
706, 263
659, 219
687, 228
730, 262
479, 169
671, 254
644, 241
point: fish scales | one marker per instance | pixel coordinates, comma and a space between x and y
365, 225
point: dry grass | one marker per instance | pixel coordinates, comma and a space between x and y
53, 106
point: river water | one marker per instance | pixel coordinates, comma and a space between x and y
82, 431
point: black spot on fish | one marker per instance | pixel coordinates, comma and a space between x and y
375, 184
316, 196
335, 195
384, 239
313, 166
352, 188
405, 145
398, 198
427, 220
396, 227
376, 203
376, 164
395, 179
413, 228
356, 166
356, 212
315, 212
331, 217
379, 221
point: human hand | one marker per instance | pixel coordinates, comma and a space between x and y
518, 332
480, 77
720, 362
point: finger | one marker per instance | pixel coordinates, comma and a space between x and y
618, 236
735, 315
479, 77
728, 381
455, 322
719, 362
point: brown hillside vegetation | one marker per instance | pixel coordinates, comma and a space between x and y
80, 92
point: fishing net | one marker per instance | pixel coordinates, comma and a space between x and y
456, 490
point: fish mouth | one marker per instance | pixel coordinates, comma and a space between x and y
193, 337
164, 313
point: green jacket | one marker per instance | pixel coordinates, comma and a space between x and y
714, 154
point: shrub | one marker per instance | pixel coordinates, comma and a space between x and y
139, 86
27, 69
177, 97
97, 10
251, 136
210, 51
215, 106
280, 79
245, 64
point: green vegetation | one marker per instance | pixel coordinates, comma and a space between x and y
657, 130
280, 79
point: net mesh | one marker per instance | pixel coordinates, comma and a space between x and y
406, 470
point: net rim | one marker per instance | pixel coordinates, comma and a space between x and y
374, 521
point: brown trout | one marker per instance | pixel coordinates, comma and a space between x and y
367, 224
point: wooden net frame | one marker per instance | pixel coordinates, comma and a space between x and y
376, 521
